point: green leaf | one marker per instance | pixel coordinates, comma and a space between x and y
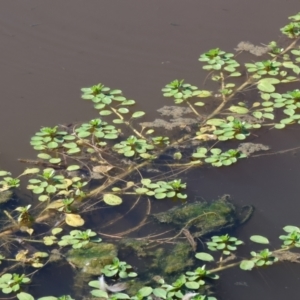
30, 171
268, 116
215, 122
160, 196
73, 168
257, 114
199, 103
235, 74
145, 291
247, 265
204, 256
239, 109
138, 114
192, 285
4, 173
94, 284
38, 190
44, 156
290, 228
52, 145
99, 294
105, 112
123, 110
43, 198
259, 239
160, 293
279, 126
25, 296
55, 160
73, 151
112, 199
141, 191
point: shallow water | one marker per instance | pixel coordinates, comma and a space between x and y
49, 50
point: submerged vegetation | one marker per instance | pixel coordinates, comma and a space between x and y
85, 172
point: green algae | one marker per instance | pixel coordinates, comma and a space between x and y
201, 217
93, 257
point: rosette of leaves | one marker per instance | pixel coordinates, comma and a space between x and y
97, 130
24, 219
224, 243
161, 140
8, 182
292, 239
175, 289
196, 279
180, 91
101, 94
12, 282
292, 30
134, 146
49, 184
217, 59
263, 258
290, 101
118, 269
261, 68
227, 158
34, 260
49, 138
77, 238
231, 128
274, 49
162, 189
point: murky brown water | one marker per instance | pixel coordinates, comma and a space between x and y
50, 49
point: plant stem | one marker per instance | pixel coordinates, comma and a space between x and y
128, 124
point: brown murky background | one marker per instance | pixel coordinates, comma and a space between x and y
50, 49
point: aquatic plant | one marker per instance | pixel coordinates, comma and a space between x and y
95, 165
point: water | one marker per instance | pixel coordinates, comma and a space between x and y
50, 50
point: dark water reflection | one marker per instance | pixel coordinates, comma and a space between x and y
50, 49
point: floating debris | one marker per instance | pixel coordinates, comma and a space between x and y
249, 47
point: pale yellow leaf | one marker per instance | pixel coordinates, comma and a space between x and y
74, 220
57, 204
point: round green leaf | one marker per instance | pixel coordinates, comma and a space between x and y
247, 265
123, 110
160, 293
73, 168
99, 294
239, 109
25, 296
38, 190
279, 126
112, 199
204, 256
52, 145
192, 285
105, 112
55, 160
259, 239
44, 156
145, 291
4, 173
290, 228
160, 196
138, 114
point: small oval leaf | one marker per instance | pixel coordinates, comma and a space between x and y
112, 199
204, 256
259, 239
